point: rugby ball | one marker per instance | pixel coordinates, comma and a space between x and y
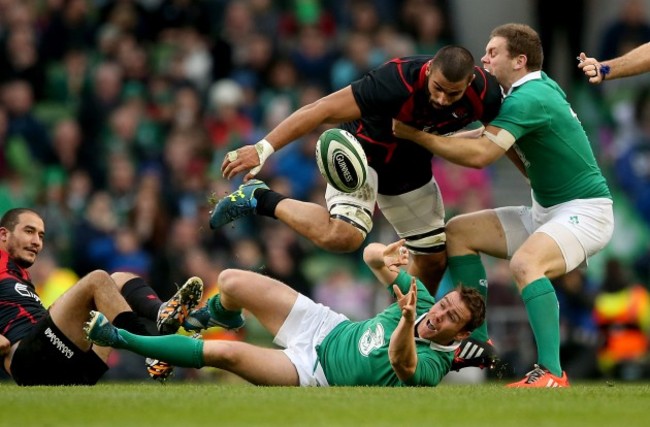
341, 160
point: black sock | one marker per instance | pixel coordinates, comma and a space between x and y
135, 324
142, 298
267, 201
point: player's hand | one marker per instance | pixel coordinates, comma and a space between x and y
240, 160
396, 255
402, 130
407, 302
591, 68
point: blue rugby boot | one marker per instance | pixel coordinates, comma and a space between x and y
101, 332
213, 314
236, 205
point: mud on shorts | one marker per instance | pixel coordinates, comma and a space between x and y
47, 357
581, 227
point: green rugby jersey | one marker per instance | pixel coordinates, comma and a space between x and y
356, 353
551, 142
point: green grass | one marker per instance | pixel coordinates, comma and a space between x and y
215, 405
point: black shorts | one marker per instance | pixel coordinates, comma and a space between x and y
47, 357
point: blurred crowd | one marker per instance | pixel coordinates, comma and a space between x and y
115, 116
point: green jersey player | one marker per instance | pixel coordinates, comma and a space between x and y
412, 342
571, 216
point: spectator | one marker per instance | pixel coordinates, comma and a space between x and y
578, 332
622, 312
68, 27
18, 97
628, 30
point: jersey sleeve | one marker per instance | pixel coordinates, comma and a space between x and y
403, 280
430, 370
520, 116
381, 91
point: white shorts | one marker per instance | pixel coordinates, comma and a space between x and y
418, 216
581, 228
306, 326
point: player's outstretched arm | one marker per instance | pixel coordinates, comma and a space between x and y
401, 348
337, 107
385, 260
636, 61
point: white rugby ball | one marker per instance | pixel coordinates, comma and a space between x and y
341, 160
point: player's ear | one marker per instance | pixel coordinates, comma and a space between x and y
462, 335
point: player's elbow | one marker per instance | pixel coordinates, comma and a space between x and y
403, 371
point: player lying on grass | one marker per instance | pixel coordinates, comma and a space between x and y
411, 342
42, 346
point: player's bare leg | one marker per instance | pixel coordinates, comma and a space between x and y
313, 221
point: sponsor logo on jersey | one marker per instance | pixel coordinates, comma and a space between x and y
23, 290
371, 340
56, 342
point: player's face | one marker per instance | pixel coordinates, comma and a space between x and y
442, 92
26, 240
445, 320
497, 60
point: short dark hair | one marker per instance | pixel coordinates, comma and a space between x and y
475, 304
454, 62
11, 218
522, 40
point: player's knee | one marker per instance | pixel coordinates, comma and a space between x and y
229, 280
454, 228
222, 355
121, 277
98, 277
341, 237
349, 226
522, 267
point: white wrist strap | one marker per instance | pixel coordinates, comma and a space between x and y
264, 150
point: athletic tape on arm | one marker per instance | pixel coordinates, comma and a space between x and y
503, 139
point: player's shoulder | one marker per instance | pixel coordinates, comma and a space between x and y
407, 65
484, 81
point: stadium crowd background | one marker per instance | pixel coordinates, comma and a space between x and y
115, 117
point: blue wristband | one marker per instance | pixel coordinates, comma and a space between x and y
604, 70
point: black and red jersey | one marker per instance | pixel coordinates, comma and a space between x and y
20, 307
398, 89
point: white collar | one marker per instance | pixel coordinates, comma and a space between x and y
435, 346
528, 77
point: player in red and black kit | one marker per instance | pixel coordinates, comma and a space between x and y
443, 94
42, 346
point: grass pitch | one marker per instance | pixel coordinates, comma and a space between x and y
214, 405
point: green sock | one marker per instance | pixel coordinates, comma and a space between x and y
177, 350
218, 311
468, 270
544, 317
